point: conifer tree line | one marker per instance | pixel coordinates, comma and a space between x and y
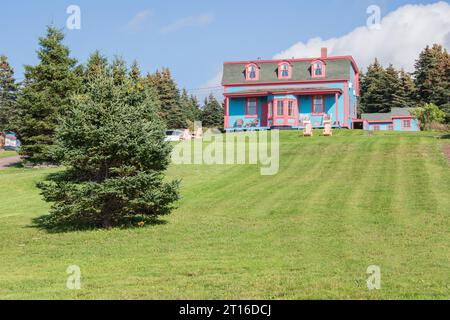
34, 108
428, 85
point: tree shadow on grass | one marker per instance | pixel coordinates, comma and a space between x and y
47, 223
17, 165
445, 136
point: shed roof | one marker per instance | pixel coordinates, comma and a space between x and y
395, 112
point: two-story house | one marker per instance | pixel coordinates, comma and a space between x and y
287, 93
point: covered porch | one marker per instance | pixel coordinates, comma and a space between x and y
291, 108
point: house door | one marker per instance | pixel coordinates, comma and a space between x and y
264, 114
285, 112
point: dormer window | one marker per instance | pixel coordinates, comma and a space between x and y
251, 72
318, 69
284, 70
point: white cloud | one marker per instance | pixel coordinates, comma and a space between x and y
191, 21
403, 34
136, 23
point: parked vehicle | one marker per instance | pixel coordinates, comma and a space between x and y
174, 135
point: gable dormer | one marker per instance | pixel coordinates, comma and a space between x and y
252, 71
284, 70
318, 69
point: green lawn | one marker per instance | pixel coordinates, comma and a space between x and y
5, 154
337, 205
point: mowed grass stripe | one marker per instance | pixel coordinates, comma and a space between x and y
425, 221
370, 216
330, 229
237, 234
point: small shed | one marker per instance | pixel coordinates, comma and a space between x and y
399, 119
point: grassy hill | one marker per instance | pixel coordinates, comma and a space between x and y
337, 205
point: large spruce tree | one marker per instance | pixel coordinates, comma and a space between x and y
169, 95
191, 109
8, 96
45, 96
372, 89
119, 70
111, 143
432, 77
406, 92
96, 64
212, 113
135, 72
392, 94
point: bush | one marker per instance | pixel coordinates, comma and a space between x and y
111, 143
427, 114
436, 126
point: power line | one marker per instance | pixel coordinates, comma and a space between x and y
206, 88
215, 88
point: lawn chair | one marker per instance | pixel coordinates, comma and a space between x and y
239, 123
327, 130
308, 130
254, 123
199, 133
186, 135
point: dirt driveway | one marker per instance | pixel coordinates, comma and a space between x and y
9, 161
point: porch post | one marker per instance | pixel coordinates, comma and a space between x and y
336, 102
225, 120
345, 103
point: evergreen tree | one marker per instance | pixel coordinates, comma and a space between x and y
45, 96
8, 96
392, 95
406, 90
112, 146
372, 89
189, 104
119, 70
135, 72
176, 118
384, 89
212, 114
96, 64
194, 108
171, 110
360, 104
432, 75
138, 83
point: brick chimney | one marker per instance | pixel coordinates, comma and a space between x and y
323, 52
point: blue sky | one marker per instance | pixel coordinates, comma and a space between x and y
192, 38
